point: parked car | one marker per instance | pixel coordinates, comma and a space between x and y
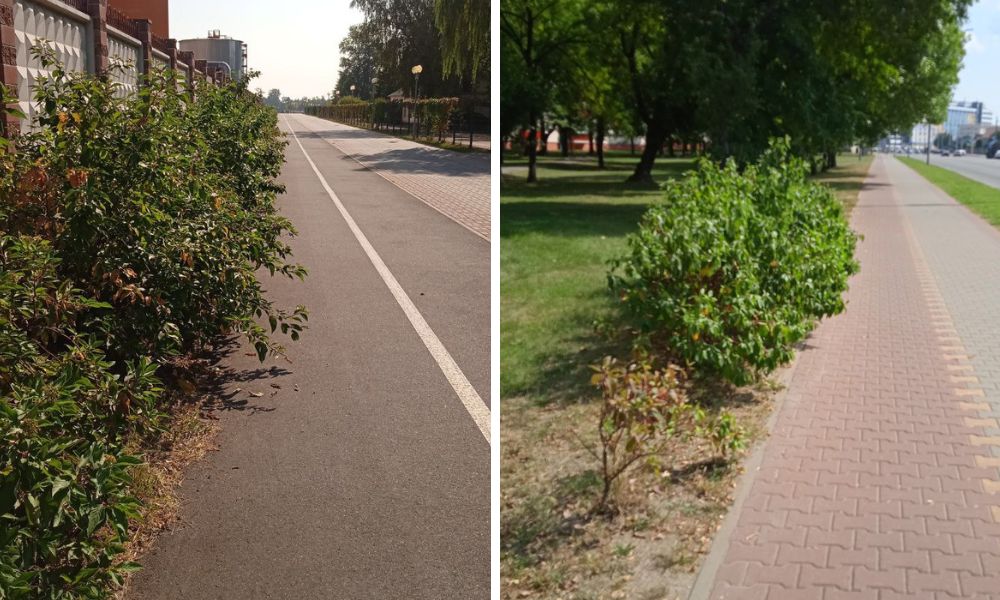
993, 149
945, 152
960, 152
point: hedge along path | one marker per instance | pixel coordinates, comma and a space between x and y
470, 399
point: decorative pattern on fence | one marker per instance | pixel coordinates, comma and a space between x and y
160, 59
127, 53
73, 29
66, 35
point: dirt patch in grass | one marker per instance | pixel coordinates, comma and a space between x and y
551, 544
847, 178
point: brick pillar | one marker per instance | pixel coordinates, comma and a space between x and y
144, 27
172, 53
98, 11
188, 58
8, 61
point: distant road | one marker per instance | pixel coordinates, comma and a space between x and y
973, 166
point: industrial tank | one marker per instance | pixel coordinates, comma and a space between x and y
219, 48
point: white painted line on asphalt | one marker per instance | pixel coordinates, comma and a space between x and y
378, 172
466, 393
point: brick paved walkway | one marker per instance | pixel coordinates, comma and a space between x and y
454, 183
880, 478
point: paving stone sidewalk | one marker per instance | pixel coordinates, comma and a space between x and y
881, 478
453, 183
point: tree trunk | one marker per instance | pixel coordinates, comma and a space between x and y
590, 142
532, 152
631, 143
655, 134
503, 142
600, 143
564, 140
831, 160
544, 148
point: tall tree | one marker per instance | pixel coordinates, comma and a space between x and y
405, 34
359, 53
536, 39
464, 28
273, 99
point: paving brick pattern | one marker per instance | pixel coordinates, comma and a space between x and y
453, 183
877, 481
963, 252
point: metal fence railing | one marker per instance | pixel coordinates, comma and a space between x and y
458, 121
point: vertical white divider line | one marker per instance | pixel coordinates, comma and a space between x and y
473, 403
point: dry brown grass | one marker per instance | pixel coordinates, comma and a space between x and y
552, 546
189, 433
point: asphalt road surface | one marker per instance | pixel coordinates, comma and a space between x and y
365, 473
973, 166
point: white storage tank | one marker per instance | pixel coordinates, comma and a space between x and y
218, 48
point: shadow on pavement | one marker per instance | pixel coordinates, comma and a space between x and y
410, 160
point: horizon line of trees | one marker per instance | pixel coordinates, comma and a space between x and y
730, 73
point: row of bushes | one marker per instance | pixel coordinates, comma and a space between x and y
131, 229
725, 276
431, 117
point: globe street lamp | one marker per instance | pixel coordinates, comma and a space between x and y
416, 70
353, 87
374, 82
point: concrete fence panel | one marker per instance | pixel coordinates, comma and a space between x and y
62, 28
125, 51
87, 36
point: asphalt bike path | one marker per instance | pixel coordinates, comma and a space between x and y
359, 467
456, 184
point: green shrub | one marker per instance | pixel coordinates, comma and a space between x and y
161, 208
64, 413
733, 268
349, 101
435, 114
131, 230
642, 411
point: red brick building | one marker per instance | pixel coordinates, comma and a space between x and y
157, 11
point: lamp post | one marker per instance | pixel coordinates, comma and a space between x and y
374, 82
353, 87
928, 141
416, 70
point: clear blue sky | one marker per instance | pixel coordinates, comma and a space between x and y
980, 76
293, 44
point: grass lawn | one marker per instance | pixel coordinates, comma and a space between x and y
982, 199
556, 238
